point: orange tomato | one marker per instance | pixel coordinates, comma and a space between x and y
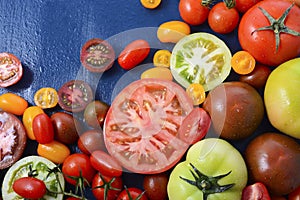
196, 92
242, 62
172, 31
55, 151
28, 116
150, 4
13, 103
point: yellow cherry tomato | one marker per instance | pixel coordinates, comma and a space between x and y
196, 92
243, 62
55, 151
13, 103
46, 98
162, 58
158, 72
172, 31
150, 4
28, 116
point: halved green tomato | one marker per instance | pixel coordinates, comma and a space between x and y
200, 58
41, 165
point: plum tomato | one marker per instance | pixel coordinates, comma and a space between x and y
94, 113
27, 119
91, 140
12, 139
46, 98
272, 159
11, 70
158, 72
150, 4
133, 54
13, 103
256, 191
193, 12
162, 58
132, 193
141, 129
243, 5
42, 128
258, 77
74, 95
172, 31
155, 186
29, 187
54, 151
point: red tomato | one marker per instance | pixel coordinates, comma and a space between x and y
142, 125
243, 5
78, 164
133, 54
11, 69
255, 41
223, 19
91, 140
295, 195
193, 12
105, 164
132, 194
111, 186
42, 128
256, 191
29, 187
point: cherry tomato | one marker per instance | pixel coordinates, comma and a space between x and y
90, 141
105, 164
13, 103
97, 55
193, 12
55, 151
133, 54
172, 31
78, 164
294, 195
150, 4
105, 187
243, 5
256, 191
46, 98
132, 193
243, 62
29, 114
162, 58
155, 186
258, 77
196, 92
29, 187
223, 19
159, 73
11, 69
94, 113
42, 128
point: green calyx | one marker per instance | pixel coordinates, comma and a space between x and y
229, 3
277, 25
207, 184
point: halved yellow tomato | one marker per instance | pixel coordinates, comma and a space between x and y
150, 4
162, 58
46, 98
172, 31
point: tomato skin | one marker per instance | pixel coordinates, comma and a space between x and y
55, 151
13, 103
294, 195
42, 128
258, 77
255, 42
29, 114
192, 12
133, 54
11, 71
243, 5
256, 191
134, 194
94, 113
90, 141
29, 187
172, 31
155, 186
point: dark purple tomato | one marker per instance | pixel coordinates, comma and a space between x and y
90, 141
258, 77
95, 112
155, 186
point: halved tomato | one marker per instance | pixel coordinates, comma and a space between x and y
11, 69
141, 129
200, 58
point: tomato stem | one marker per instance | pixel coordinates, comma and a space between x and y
106, 185
229, 3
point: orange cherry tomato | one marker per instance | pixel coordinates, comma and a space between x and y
172, 31
242, 62
196, 92
13, 103
55, 151
161, 58
46, 98
28, 116
150, 4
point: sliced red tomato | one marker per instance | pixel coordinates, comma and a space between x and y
11, 69
142, 126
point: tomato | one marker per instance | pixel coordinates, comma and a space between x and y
29, 114
94, 113
55, 151
105, 187
46, 98
243, 62
243, 5
12, 139
200, 58
172, 31
193, 12
133, 54
74, 95
223, 18
141, 129
196, 92
97, 55
254, 39
256, 191
29, 187
76, 165
162, 58
42, 128
11, 70
105, 164
258, 77
272, 159
213, 169
282, 98
294, 195
13, 103
158, 72
90, 141
150, 4
132, 193
155, 186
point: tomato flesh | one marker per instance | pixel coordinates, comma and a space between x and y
11, 69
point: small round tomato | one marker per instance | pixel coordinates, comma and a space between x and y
193, 12
256, 191
97, 55
150, 4
132, 193
11, 69
133, 54
105, 164
55, 151
42, 128
94, 113
29, 187
172, 31
162, 58
77, 165
196, 92
258, 77
155, 186
29, 114
223, 18
242, 62
243, 5
46, 98
90, 141
13, 103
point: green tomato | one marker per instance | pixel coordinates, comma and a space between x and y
213, 169
282, 98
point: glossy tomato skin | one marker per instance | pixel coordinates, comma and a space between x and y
13, 103
94, 113
12, 70
294, 195
91, 140
255, 42
256, 191
55, 151
134, 194
172, 31
193, 12
42, 128
133, 54
29, 187
243, 5
27, 119
258, 77
155, 186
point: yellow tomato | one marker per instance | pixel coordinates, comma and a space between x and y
13, 103
162, 58
196, 92
150, 4
46, 98
28, 117
158, 72
172, 31
55, 151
